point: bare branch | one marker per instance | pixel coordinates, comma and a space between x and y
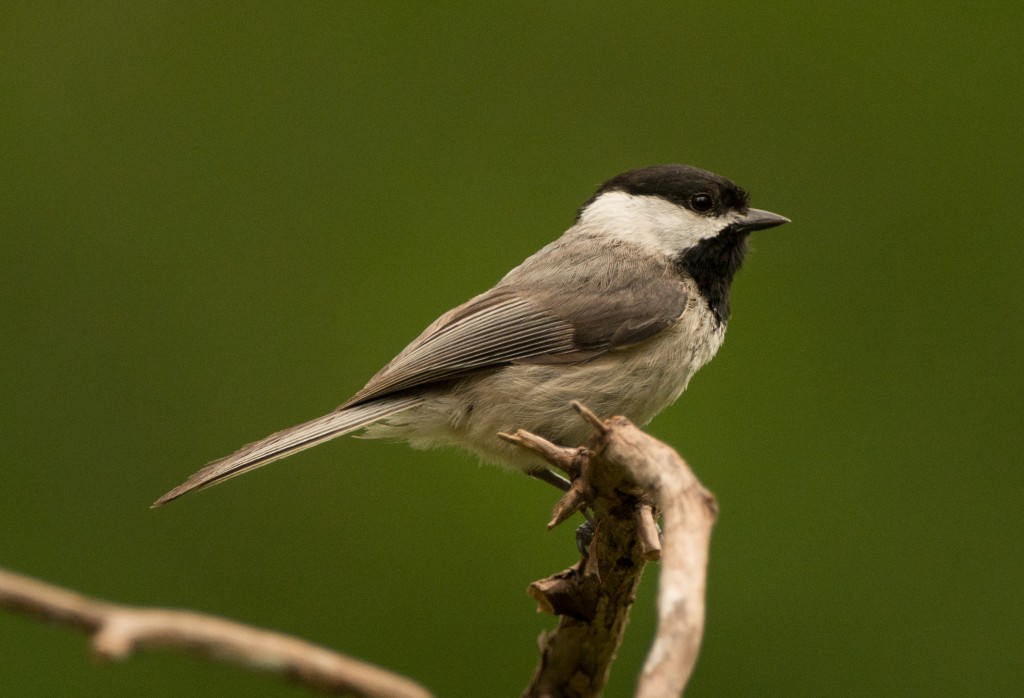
565, 459
650, 537
689, 512
625, 478
120, 631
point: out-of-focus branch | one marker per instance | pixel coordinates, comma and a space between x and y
120, 631
624, 478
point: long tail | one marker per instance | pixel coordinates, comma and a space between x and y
284, 443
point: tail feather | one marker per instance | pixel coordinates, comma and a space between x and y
285, 443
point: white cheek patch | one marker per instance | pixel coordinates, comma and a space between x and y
649, 221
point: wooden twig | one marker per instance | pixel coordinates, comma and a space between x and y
689, 512
624, 477
571, 461
120, 631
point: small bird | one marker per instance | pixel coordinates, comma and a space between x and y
618, 313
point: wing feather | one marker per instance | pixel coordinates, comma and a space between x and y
513, 325
467, 340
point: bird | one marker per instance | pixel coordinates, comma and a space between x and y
618, 313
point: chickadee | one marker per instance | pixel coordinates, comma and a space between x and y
618, 313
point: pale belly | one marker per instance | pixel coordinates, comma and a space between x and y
636, 383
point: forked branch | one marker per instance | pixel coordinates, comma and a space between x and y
624, 477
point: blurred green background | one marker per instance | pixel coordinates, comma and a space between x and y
219, 220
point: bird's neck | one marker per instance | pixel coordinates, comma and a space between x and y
712, 263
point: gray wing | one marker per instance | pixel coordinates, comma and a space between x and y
512, 325
505, 325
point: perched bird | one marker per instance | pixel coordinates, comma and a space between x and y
618, 313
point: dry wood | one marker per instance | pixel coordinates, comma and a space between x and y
120, 631
624, 477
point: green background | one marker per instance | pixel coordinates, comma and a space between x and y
218, 220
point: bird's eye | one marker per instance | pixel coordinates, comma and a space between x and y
702, 203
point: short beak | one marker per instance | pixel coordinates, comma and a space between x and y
756, 219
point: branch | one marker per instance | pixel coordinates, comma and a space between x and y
624, 477
689, 512
120, 631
